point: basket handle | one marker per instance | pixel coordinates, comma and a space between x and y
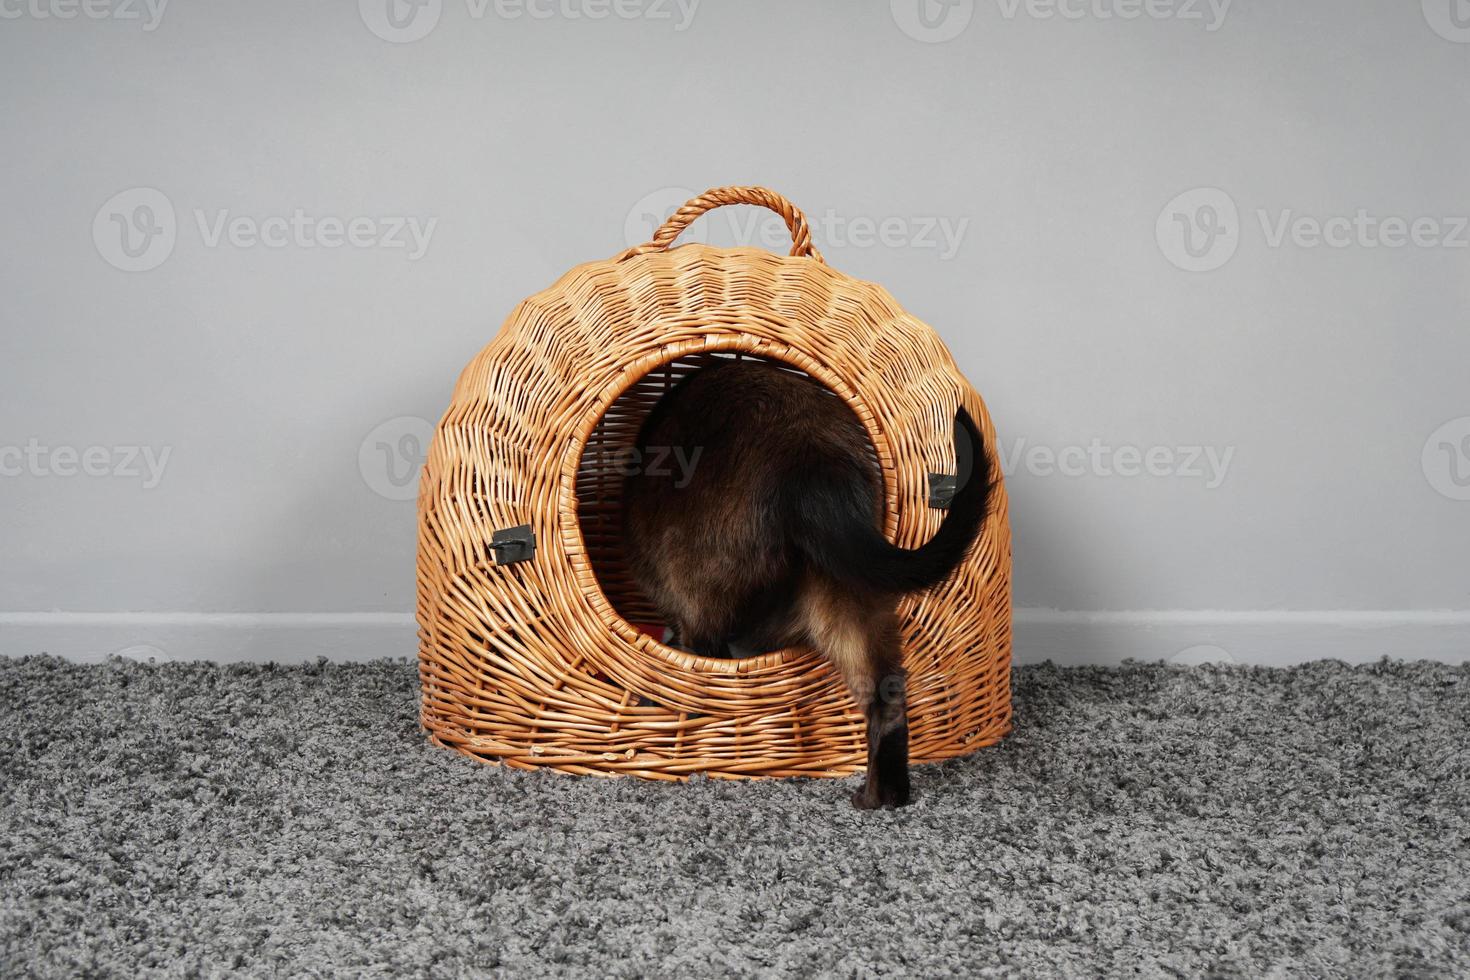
801, 234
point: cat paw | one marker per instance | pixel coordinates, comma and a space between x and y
896, 796
884, 797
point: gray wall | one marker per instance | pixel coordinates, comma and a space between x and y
1089, 209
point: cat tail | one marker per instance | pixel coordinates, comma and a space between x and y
831, 507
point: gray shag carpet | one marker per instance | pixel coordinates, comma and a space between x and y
254, 820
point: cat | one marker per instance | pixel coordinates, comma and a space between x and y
774, 538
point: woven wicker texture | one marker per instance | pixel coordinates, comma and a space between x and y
538, 663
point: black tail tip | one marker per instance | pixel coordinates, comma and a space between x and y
969, 446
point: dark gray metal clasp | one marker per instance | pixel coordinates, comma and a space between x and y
513, 544
941, 490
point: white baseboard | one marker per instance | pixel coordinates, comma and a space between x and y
1269, 638
1246, 637
286, 638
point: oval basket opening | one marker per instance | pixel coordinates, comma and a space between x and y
604, 465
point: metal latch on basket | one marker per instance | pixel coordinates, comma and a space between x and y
513, 544
941, 490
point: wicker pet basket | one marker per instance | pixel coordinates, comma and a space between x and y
536, 648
